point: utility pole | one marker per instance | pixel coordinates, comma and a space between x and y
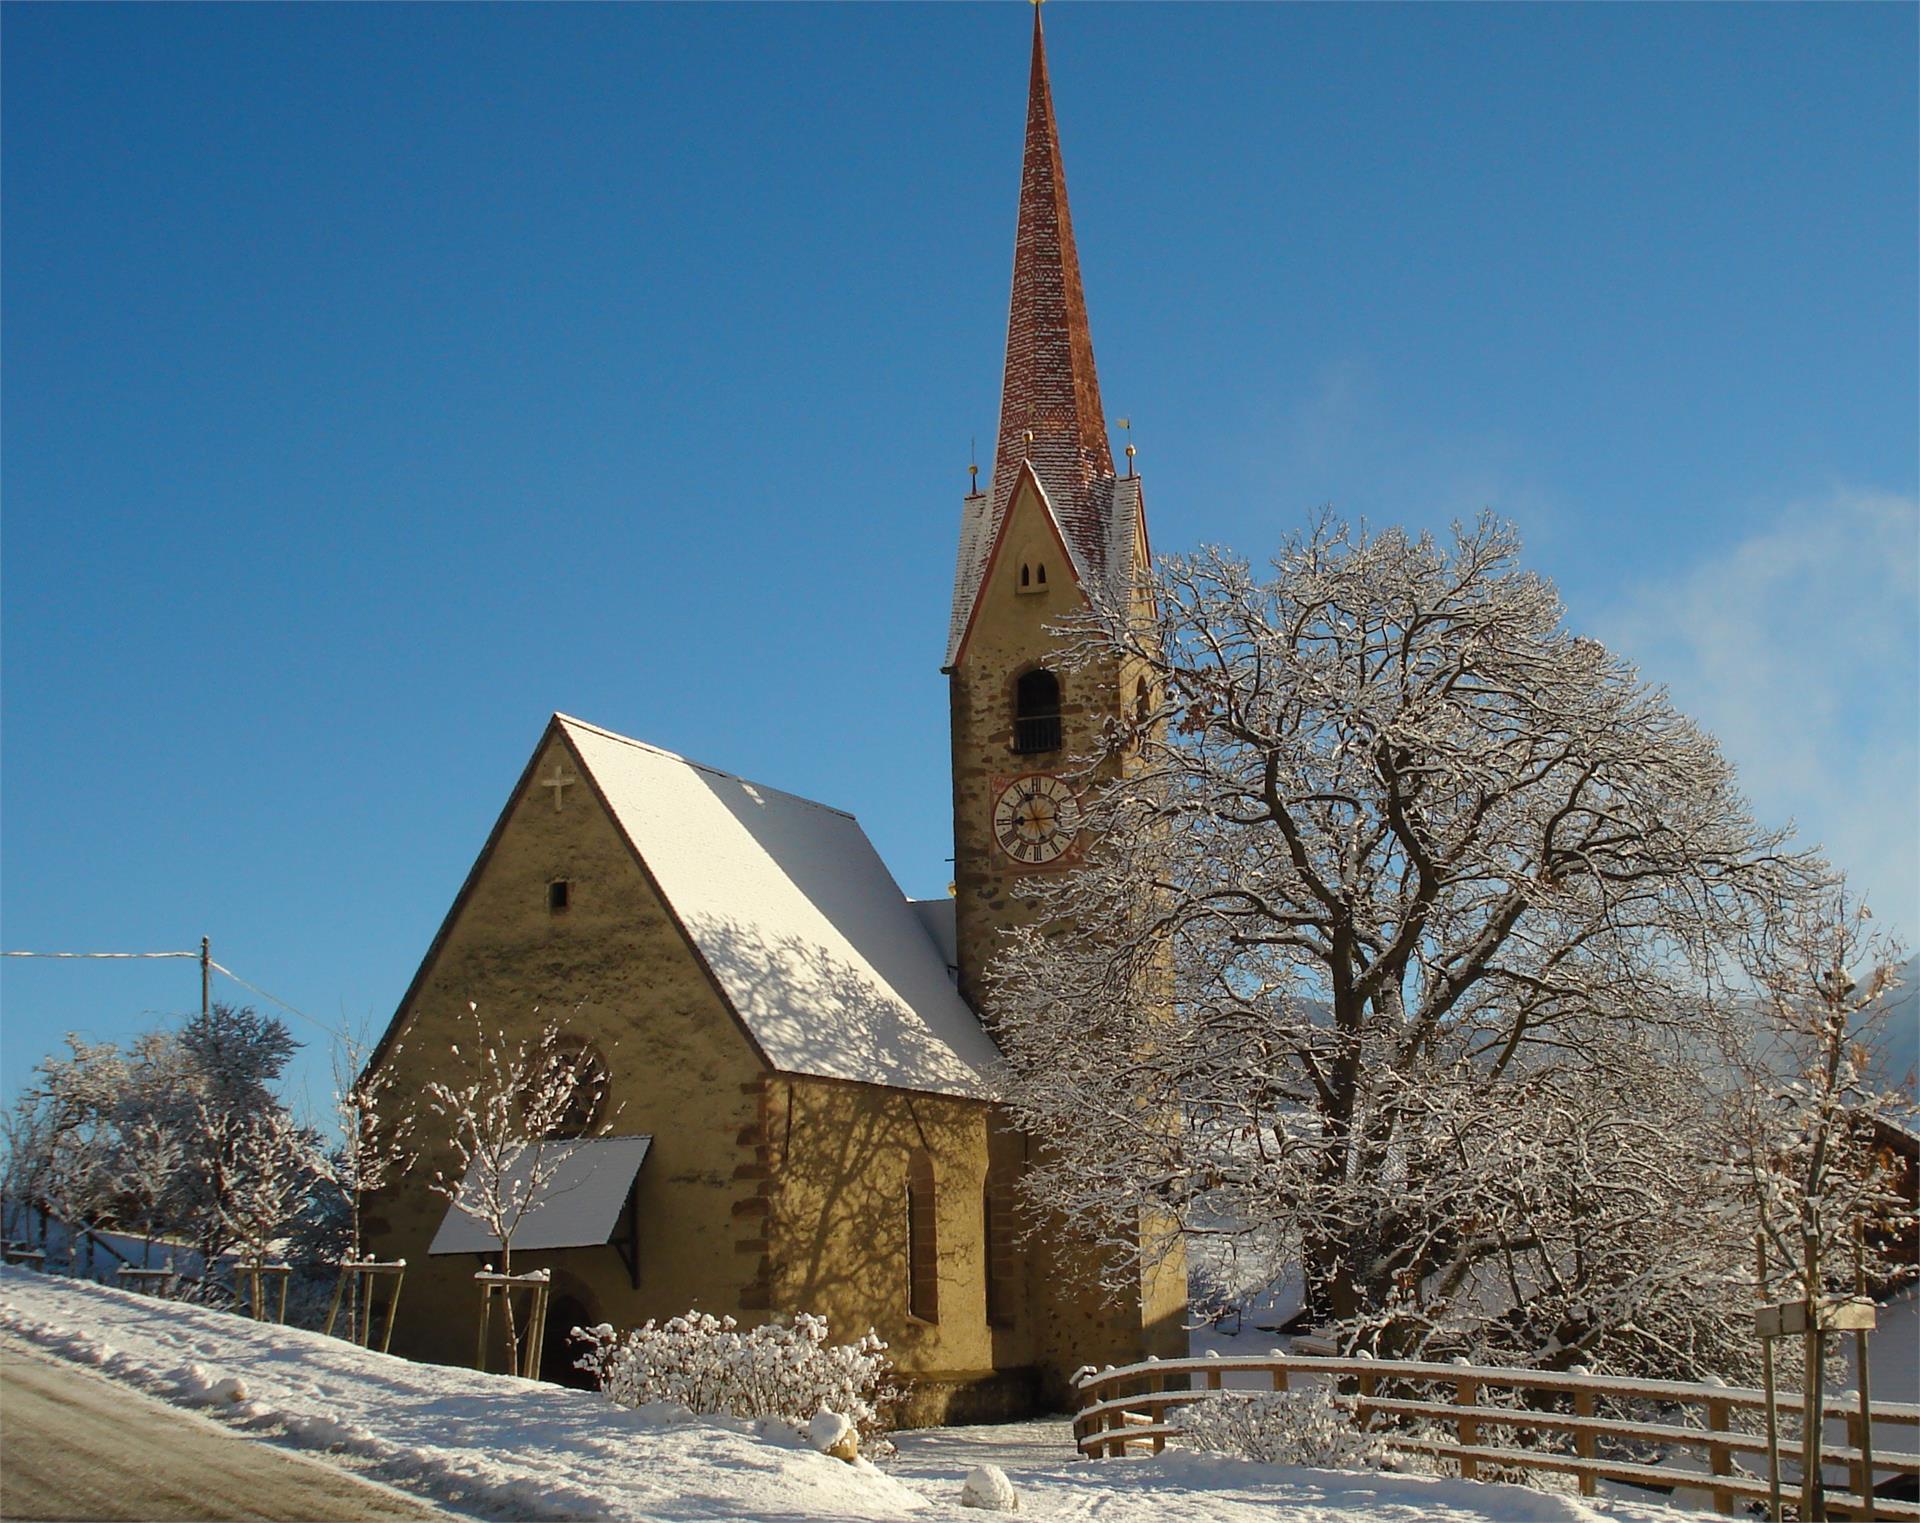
206, 981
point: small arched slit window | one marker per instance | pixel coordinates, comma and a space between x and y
1033, 576
997, 1239
923, 1241
1036, 712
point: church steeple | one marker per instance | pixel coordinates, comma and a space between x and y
1051, 421
1050, 391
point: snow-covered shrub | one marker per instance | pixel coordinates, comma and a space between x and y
707, 1365
1282, 1428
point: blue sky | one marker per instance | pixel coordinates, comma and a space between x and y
381, 379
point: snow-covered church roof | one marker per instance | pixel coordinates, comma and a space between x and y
831, 969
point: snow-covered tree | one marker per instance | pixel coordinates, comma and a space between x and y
270, 1172
148, 1138
227, 1061
521, 1110
25, 1131
1807, 1146
1398, 953
78, 1096
147, 1176
376, 1137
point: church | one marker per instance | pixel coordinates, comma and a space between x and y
795, 1059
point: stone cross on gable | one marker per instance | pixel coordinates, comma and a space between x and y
559, 783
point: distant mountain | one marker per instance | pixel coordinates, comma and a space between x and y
1900, 1046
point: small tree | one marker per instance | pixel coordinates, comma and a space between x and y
272, 1170
523, 1110
1806, 1122
376, 1133
1807, 1145
267, 1185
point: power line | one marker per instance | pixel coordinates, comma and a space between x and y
290, 1009
201, 957
100, 954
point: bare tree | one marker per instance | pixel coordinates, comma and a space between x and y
376, 1130
523, 1110
1401, 945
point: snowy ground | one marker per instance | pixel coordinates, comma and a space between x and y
498, 1447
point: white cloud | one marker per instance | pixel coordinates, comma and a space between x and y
1799, 647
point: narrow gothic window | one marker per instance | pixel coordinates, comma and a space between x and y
923, 1241
559, 895
1036, 712
1026, 575
996, 1222
1040, 573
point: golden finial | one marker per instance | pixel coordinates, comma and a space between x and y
1028, 437
1127, 424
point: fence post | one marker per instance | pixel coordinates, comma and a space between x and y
1859, 1471
1719, 1456
1583, 1445
333, 1311
486, 1316
1466, 1391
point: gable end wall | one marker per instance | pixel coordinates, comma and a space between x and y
617, 970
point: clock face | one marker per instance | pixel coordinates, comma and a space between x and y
1035, 818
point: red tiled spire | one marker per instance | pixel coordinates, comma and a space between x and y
1050, 387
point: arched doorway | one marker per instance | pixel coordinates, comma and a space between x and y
568, 1307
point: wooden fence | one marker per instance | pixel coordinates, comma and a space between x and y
1138, 1404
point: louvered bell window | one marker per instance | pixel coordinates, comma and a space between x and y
1036, 713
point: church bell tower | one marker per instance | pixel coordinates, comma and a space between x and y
1055, 526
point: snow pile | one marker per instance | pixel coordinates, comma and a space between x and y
707, 1365
494, 1446
833, 1434
988, 1487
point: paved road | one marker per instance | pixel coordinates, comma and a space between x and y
74, 1445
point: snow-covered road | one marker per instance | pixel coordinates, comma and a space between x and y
75, 1445
504, 1448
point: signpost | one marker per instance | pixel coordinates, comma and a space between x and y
1813, 1320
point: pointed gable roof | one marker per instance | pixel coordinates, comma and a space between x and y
1050, 389
830, 968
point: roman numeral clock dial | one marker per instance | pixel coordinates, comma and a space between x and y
1035, 819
